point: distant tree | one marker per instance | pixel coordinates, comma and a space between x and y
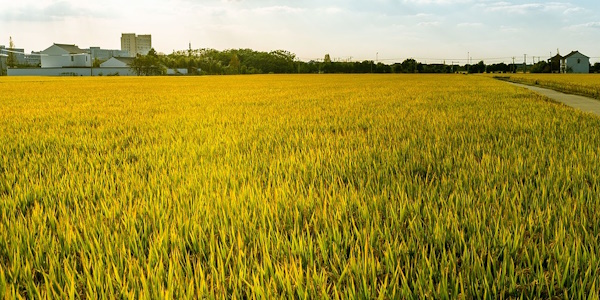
96, 63
152, 53
2, 66
234, 64
382, 68
326, 66
555, 64
540, 67
501, 67
282, 61
409, 66
480, 67
148, 65
11, 61
596, 67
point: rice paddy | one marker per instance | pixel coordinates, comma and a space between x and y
581, 84
295, 186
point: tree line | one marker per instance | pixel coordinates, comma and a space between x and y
248, 61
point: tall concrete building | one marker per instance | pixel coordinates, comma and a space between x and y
140, 44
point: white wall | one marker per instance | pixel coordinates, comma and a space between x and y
55, 61
80, 60
126, 71
57, 57
578, 63
53, 57
70, 72
69, 60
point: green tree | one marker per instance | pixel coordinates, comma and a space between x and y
480, 67
326, 65
2, 66
148, 65
96, 63
409, 66
11, 61
540, 67
234, 64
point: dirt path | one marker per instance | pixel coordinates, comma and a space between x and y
580, 102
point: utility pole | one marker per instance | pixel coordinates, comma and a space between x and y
524, 63
457, 62
513, 65
467, 64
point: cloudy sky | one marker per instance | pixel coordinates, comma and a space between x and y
388, 30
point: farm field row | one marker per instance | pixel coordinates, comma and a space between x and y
318, 186
580, 84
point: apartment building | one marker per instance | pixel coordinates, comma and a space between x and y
136, 44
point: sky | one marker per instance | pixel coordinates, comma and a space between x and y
430, 31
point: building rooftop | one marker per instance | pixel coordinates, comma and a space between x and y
574, 52
72, 49
126, 60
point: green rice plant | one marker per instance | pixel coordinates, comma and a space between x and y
581, 84
295, 186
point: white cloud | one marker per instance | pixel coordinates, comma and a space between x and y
278, 9
310, 28
573, 10
49, 11
331, 10
425, 24
525, 8
510, 29
469, 24
592, 25
442, 2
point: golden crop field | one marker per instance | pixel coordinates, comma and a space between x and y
581, 84
295, 186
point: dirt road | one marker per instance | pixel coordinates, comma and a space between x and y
580, 102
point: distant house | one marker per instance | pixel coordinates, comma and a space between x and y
575, 62
105, 54
65, 56
554, 63
18, 54
117, 62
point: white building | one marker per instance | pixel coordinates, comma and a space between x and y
105, 54
134, 45
65, 56
18, 54
33, 59
575, 62
3, 57
117, 62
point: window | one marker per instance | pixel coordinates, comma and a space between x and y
72, 58
579, 60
